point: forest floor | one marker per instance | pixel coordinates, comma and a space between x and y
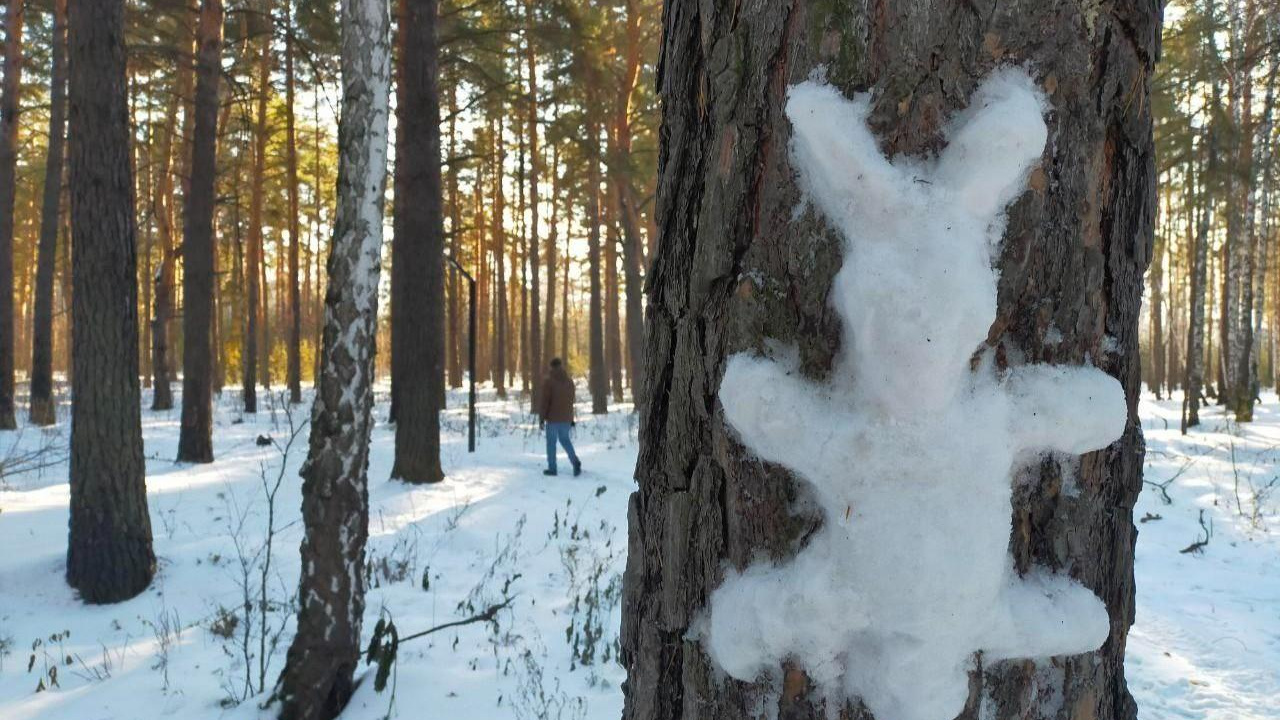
1206, 643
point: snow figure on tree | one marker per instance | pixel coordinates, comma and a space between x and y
908, 449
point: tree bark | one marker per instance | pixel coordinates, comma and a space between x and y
500, 261
109, 554
419, 238
612, 318
195, 438
294, 315
318, 677
14, 14
255, 315
1074, 251
535, 159
43, 407
455, 246
598, 377
553, 237
9, 91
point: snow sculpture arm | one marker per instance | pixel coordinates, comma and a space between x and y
767, 403
1072, 410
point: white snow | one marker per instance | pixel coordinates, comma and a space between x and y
912, 460
1206, 645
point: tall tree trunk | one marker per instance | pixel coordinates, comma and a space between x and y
612, 320
195, 438
1156, 279
500, 261
553, 237
726, 200
318, 677
620, 171
597, 377
161, 324
294, 314
43, 407
255, 316
109, 554
454, 360
535, 158
9, 91
419, 237
1193, 386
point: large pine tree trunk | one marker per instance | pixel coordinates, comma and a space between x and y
318, 677
195, 439
43, 408
13, 16
1072, 260
419, 240
109, 555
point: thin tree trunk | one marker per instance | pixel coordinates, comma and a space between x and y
255, 316
195, 438
612, 320
535, 158
598, 378
553, 237
500, 269
43, 407
109, 553
9, 91
318, 677
294, 314
419, 237
455, 245
726, 206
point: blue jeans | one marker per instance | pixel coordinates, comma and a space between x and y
559, 432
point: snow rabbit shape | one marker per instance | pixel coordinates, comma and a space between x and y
908, 451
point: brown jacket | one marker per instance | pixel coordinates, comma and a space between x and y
556, 401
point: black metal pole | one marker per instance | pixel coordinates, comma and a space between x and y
471, 353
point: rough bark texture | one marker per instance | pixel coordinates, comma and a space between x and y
43, 407
1072, 260
317, 680
419, 241
109, 555
9, 90
195, 439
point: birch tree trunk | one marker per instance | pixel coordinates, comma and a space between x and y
109, 553
195, 439
317, 680
1072, 259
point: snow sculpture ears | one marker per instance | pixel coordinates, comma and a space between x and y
993, 143
839, 160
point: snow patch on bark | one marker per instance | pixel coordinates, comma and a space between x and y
909, 451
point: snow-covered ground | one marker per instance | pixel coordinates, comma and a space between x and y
1206, 643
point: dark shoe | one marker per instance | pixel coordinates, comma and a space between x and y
549, 473
577, 470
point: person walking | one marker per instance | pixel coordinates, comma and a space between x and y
555, 413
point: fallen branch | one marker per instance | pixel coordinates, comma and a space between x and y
1198, 545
